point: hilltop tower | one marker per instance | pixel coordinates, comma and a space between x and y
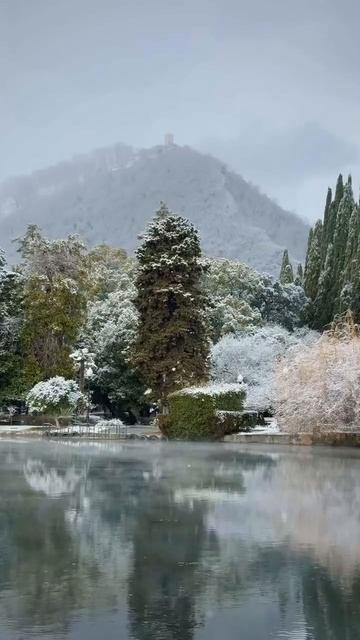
169, 139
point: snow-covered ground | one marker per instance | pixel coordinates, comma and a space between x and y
270, 428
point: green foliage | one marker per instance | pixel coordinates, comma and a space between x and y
172, 346
233, 288
313, 261
299, 279
281, 304
233, 421
333, 258
327, 235
107, 265
323, 304
193, 413
345, 210
109, 331
286, 271
55, 289
11, 311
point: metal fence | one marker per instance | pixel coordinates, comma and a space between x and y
83, 430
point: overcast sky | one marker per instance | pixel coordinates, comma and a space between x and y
270, 86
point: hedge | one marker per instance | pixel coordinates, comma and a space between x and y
235, 421
196, 413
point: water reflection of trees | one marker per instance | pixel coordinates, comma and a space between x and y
172, 532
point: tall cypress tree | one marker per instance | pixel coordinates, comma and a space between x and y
341, 234
339, 190
326, 226
299, 280
355, 272
333, 211
351, 246
286, 271
323, 304
172, 346
313, 263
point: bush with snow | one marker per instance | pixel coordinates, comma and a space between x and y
251, 356
317, 385
56, 396
111, 423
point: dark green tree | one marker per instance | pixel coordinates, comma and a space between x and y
172, 346
323, 304
286, 271
341, 234
313, 261
299, 278
56, 282
332, 217
11, 294
355, 272
326, 226
352, 245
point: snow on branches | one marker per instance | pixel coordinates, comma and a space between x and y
56, 395
252, 356
317, 385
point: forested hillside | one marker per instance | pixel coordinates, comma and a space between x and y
106, 196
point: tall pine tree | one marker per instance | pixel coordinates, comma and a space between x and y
172, 346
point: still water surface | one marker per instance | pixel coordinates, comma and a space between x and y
178, 542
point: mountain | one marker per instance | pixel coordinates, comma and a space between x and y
110, 194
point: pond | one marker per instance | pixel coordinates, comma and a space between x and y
161, 541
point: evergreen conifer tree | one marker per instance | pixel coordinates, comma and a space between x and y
313, 263
344, 212
332, 215
355, 274
323, 304
351, 246
172, 346
326, 227
299, 280
339, 191
286, 271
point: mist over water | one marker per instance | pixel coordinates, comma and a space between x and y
180, 542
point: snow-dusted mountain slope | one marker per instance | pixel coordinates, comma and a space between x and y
109, 196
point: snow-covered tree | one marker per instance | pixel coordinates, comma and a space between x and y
232, 288
55, 397
109, 332
171, 348
282, 304
317, 384
252, 356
